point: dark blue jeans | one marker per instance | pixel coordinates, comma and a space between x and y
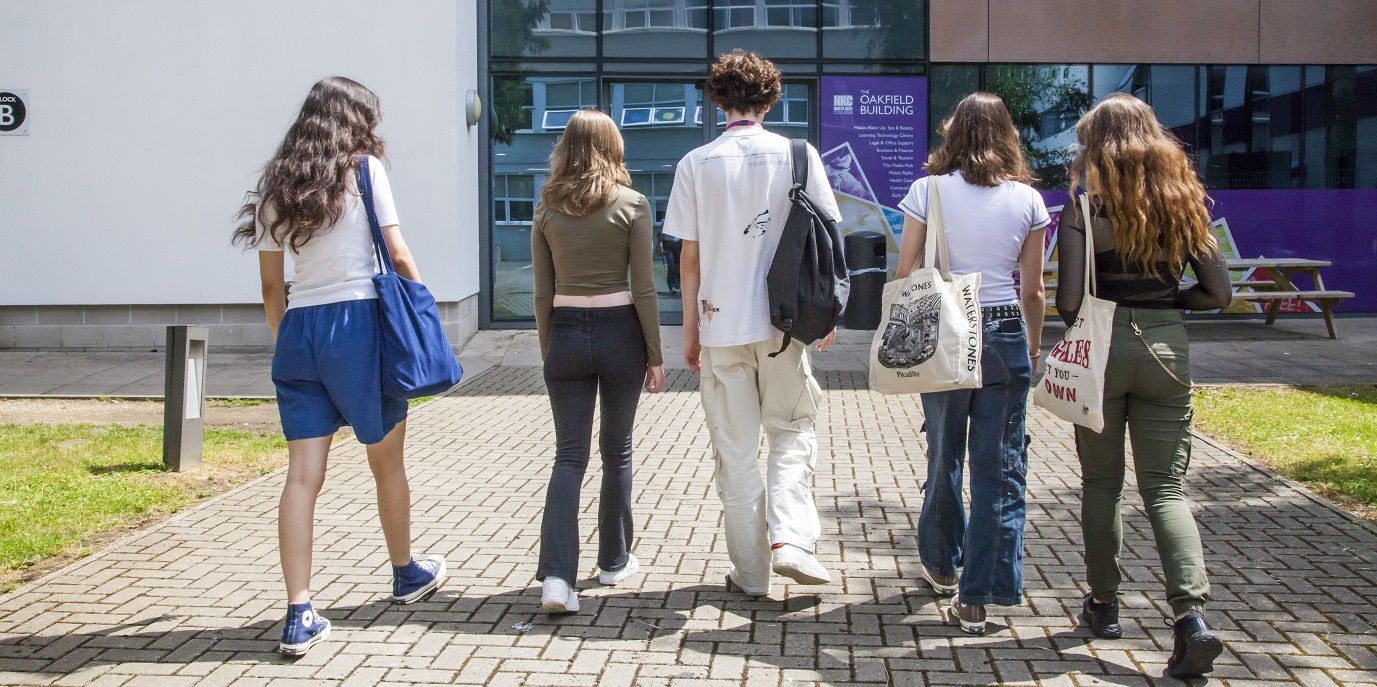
595, 354
988, 548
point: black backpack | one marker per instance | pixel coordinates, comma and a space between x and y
807, 283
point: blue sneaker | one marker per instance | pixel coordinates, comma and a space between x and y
417, 578
304, 629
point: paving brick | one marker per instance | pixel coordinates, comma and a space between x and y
195, 600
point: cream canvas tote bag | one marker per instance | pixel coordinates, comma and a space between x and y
1073, 385
933, 339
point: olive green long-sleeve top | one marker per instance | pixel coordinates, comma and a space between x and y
592, 255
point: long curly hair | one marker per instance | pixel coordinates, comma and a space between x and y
1138, 171
302, 186
980, 140
586, 166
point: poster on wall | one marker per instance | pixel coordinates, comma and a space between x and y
874, 143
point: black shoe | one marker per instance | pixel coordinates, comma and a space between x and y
1196, 647
1103, 618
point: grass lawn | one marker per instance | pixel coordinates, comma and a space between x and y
65, 488
1325, 437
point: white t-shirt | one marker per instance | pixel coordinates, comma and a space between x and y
732, 197
338, 264
986, 228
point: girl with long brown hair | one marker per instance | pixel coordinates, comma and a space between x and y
995, 225
326, 365
599, 337
1150, 222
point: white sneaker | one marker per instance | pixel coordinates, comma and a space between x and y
632, 567
799, 565
557, 596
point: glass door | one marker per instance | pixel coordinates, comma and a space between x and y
661, 121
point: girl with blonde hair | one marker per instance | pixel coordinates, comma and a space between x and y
599, 337
1150, 222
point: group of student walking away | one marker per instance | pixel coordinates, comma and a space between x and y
325, 199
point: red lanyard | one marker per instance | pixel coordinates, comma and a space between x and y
741, 122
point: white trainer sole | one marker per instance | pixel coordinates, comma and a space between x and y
942, 589
609, 579
434, 584
302, 648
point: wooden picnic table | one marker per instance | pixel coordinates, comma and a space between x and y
1272, 280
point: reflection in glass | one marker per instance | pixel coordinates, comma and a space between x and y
560, 28
1341, 127
774, 28
663, 28
874, 29
947, 85
658, 132
1169, 89
528, 115
1251, 118
1045, 101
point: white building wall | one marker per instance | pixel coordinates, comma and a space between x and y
149, 119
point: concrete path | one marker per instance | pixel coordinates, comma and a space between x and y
198, 600
1295, 351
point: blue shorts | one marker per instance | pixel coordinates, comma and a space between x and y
327, 373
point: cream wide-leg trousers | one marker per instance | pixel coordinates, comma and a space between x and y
744, 389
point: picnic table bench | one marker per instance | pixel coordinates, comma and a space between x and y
1272, 281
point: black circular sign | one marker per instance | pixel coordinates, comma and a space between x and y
12, 111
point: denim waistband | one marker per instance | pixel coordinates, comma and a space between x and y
614, 312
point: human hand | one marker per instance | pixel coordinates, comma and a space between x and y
828, 340
655, 378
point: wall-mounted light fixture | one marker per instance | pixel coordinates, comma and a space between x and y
473, 106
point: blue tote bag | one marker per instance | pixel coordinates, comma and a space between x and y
416, 357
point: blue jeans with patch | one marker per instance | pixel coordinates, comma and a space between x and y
989, 421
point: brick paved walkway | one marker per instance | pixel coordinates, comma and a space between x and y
197, 600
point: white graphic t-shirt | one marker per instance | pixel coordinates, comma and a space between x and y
986, 228
732, 197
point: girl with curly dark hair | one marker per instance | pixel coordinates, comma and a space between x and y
326, 365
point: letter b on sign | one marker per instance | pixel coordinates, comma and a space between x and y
13, 113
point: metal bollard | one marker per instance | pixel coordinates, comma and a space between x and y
184, 396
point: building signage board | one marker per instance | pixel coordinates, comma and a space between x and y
874, 143
14, 112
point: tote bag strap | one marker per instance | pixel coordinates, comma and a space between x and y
1090, 281
935, 242
379, 241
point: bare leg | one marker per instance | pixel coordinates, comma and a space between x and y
394, 494
296, 513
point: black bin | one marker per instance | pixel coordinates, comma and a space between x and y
867, 261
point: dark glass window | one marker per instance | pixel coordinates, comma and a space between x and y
1341, 127
779, 29
874, 29
947, 85
543, 28
1251, 126
1169, 89
662, 28
1045, 102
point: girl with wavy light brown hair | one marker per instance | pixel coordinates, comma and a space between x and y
995, 225
599, 337
1149, 221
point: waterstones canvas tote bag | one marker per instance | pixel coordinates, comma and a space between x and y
933, 339
1073, 385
